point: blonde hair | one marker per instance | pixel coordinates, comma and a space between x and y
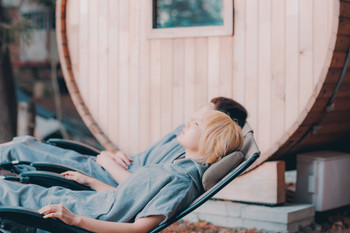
220, 136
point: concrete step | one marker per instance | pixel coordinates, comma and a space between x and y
286, 218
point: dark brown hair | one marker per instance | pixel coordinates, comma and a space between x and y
232, 108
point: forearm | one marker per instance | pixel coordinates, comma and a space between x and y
104, 226
140, 225
99, 185
118, 173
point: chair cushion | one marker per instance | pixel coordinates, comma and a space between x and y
219, 169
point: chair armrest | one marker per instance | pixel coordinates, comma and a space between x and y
54, 167
74, 145
49, 179
31, 218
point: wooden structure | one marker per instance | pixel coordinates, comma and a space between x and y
284, 62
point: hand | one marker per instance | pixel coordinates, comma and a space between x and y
104, 159
61, 212
122, 159
77, 177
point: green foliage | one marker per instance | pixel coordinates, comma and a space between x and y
10, 32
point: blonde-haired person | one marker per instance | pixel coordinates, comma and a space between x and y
145, 198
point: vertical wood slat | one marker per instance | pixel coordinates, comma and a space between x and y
214, 67
225, 67
123, 73
251, 61
201, 66
178, 81
156, 84
238, 52
93, 65
167, 92
278, 59
264, 70
102, 86
133, 92
292, 61
83, 78
144, 95
305, 52
189, 77
113, 111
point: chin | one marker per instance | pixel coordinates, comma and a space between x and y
178, 138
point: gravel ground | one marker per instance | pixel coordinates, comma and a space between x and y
334, 221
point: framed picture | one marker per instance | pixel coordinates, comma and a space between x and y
189, 18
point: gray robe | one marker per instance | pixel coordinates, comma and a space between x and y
29, 149
160, 189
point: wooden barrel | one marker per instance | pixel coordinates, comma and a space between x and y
285, 62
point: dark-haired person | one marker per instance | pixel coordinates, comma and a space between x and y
30, 149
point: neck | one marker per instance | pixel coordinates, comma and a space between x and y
192, 154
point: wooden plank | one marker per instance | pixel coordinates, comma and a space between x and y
190, 78
306, 62
334, 128
265, 73
225, 67
334, 74
292, 62
239, 52
167, 91
278, 69
213, 67
317, 140
329, 88
134, 88
102, 63
251, 62
155, 95
344, 26
342, 43
123, 65
144, 97
201, 96
345, 9
113, 41
83, 78
338, 60
331, 117
268, 179
178, 82
93, 61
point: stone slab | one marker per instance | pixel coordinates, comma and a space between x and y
287, 218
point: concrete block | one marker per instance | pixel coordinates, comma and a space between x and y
288, 218
279, 214
223, 208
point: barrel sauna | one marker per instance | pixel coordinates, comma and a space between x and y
285, 60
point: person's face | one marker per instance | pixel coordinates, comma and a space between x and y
190, 136
201, 109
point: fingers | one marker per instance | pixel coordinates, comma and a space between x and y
58, 211
51, 210
122, 159
69, 174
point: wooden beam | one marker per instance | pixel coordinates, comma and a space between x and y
265, 184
